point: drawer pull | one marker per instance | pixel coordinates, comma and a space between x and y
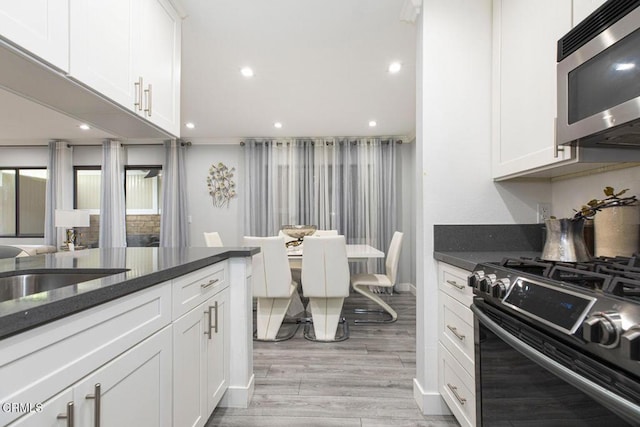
454, 283
97, 396
211, 282
68, 416
210, 311
455, 332
454, 390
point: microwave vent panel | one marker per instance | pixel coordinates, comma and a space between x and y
601, 19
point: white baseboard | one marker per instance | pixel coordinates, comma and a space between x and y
405, 287
430, 403
238, 397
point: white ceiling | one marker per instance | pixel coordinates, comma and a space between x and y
320, 69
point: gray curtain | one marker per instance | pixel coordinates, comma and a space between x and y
174, 230
113, 232
333, 183
59, 190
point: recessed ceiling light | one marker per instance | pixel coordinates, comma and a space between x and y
277, 125
84, 126
189, 125
395, 67
373, 123
246, 71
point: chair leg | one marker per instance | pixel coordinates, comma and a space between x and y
325, 313
269, 317
387, 311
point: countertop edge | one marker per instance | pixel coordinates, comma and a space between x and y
21, 321
469, 260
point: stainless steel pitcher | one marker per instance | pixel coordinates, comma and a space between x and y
565, 241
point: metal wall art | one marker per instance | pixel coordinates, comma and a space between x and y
221, 186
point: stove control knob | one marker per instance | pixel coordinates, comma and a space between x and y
486, 282
630, 343
602, 328
499, 288
474, 280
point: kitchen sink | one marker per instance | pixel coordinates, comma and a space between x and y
21, 285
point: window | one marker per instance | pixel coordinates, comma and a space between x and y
22, 201
143, 200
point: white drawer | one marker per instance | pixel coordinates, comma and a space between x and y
457, 389
456, 331
38, 363
453, 281
191, 290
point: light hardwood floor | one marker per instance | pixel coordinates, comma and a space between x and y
365, 381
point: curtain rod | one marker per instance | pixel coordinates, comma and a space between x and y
69, 145
350, 140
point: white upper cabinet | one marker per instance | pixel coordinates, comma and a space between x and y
525, 36
129, 51
583, 8
102, 42
40, 27
158, 59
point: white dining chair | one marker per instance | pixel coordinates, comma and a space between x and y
212, 239
325, 281
361, 283
272, 286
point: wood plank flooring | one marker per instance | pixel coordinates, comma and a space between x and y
365, 381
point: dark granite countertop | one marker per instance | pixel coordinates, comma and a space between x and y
144, 267
468, 260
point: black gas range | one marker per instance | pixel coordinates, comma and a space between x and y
578, 321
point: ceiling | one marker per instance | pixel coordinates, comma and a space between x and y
320, 69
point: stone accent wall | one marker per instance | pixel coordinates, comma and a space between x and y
141, 229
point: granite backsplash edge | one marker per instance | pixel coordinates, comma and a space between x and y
488, 237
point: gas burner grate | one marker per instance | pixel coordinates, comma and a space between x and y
534, 266
576, 275
627, 287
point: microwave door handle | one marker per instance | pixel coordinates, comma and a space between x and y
556, 148
615, 403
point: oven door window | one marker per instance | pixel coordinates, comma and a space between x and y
512, 390
606, 80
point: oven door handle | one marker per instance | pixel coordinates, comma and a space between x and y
617, 404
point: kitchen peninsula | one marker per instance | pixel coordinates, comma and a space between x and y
162, 339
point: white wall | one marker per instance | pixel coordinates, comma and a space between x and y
453, 156
229, 220
572, 193
406, 213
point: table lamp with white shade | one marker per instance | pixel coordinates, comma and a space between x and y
70, 219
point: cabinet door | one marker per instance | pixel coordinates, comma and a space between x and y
158, 59
218, 349
135, 388
189, 368
40, 27
525, 37
48, 415
102, 40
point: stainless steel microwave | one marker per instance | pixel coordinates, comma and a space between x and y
599, 78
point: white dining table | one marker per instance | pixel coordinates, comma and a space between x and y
354, 253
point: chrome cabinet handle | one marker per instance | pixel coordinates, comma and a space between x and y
211, 282
454, 390
138, 94
68, 415
212, 316
454, 283
148, 98
96, 396
455, 332
215, 327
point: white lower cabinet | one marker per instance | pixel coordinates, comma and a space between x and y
125, 362
200, 360
456, 361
